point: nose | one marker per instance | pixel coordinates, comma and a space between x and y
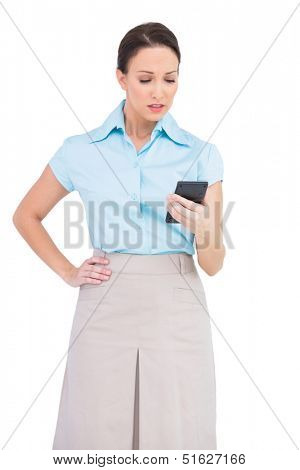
157, 92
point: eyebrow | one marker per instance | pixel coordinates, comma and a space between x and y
147, 71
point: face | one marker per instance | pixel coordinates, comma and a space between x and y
152, 78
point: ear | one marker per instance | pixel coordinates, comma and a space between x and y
121, 77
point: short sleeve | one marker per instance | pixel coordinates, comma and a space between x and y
211, 168
215, 166
60, 166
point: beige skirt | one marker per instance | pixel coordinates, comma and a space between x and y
140, 368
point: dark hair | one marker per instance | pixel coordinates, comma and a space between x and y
145, 35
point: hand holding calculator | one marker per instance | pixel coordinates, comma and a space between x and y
193, 190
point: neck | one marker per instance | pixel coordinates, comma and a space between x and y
136, 126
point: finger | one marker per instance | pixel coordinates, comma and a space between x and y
97, 259
180, 211
95, 275
96, 269
182, 215
88, 280
174, 212
183, 201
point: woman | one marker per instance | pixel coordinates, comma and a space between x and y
140, 367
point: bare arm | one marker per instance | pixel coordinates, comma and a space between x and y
205, 221
27, 218
210, 247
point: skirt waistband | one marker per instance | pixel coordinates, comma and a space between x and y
166, 263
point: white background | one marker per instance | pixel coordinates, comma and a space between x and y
254, 299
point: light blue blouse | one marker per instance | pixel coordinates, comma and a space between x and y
124, 192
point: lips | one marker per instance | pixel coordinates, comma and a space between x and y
155, 105
155, 109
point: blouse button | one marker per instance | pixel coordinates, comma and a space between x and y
134, 196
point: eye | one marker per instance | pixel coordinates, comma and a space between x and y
146, 81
